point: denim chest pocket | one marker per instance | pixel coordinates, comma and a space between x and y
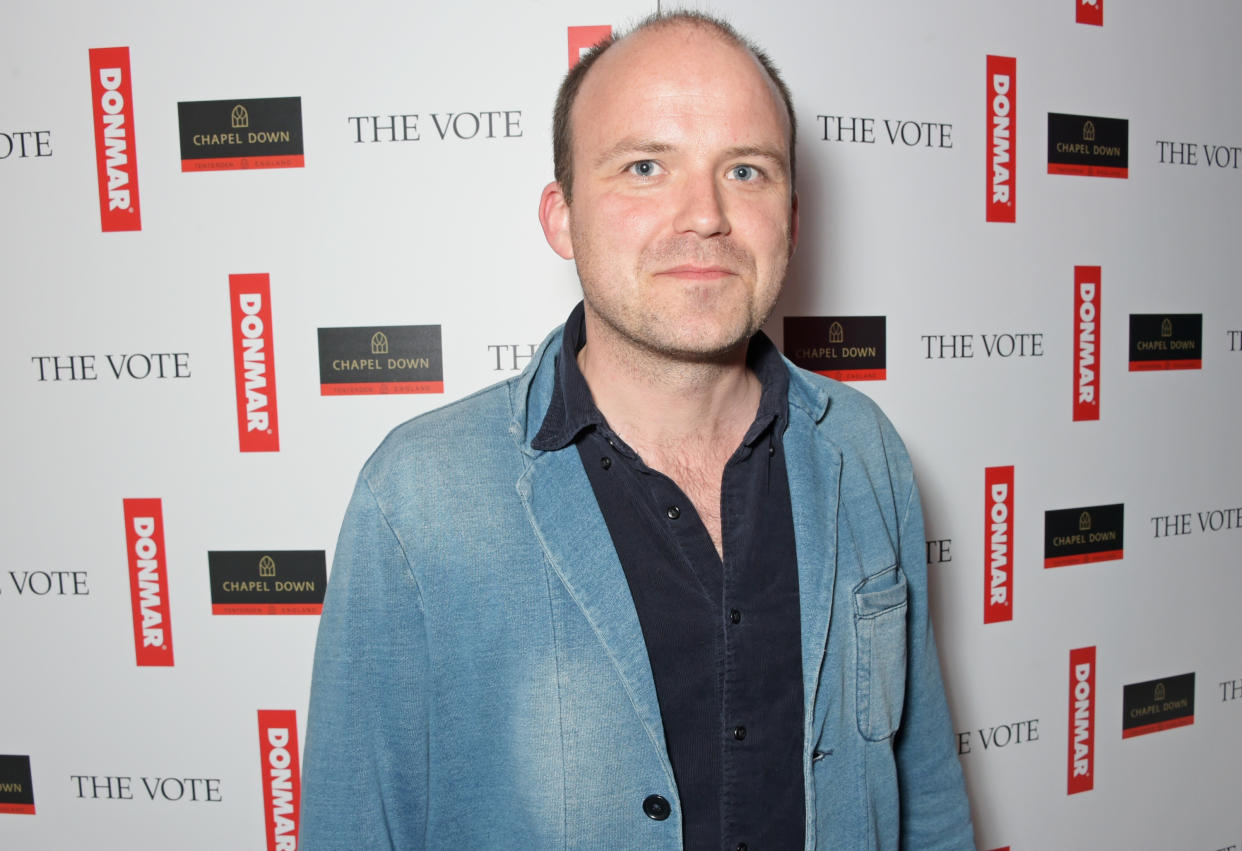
880, 604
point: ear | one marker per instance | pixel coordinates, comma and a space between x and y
554, 216
793, 225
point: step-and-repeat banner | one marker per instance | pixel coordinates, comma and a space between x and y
242, 241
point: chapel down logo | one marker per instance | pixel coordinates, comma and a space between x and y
1084, 535
1158, 705
374, 360
847, 348
219, 135
267, 582
1166, 341
16, 790
1088, 145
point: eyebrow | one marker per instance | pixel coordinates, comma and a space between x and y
635, 145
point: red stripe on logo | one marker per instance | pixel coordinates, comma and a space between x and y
1091, 12
1171, 724
998, 544
1086, 558
254, 363
1089, 170
1081, 767
148, 582
380, 388
854, 374
1002, 138
1158, 365
1087, 349
116, 155
582, 39
282, 782
267, 608
244, 163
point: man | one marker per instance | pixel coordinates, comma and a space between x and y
663, 589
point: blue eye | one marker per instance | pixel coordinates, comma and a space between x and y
744, 172
645, 168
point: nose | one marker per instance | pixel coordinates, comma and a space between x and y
700, 206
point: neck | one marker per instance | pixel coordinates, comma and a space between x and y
655, 401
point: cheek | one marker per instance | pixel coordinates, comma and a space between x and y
768, 235
619, 219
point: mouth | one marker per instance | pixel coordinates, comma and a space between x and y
694, 272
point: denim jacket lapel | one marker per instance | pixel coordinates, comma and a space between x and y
814, 465
575, 540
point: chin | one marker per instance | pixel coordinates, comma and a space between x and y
706, 345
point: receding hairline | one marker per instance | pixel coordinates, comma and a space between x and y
567, 96
697, 24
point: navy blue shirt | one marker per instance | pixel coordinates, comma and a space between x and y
723, 636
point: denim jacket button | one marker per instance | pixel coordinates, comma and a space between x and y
656, 807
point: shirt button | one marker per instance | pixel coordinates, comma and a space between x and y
739, 732
605, 462
673, 512
771, 452
656, 807
735, 616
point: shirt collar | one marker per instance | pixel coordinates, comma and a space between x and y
572, 408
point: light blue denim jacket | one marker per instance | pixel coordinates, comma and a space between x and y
481, 680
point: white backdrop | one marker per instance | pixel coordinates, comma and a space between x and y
443, 232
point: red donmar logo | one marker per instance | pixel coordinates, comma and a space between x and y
582, 39
1091, 12
254, 363
998, 544
116, 157
1081, 769
282, 783
148, 581
1002, 142
1087, 334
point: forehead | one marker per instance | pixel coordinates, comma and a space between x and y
678, 80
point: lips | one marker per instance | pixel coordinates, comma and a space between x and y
700, 273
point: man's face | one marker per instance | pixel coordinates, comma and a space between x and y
683, 217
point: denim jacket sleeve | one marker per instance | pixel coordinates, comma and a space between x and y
366, 753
